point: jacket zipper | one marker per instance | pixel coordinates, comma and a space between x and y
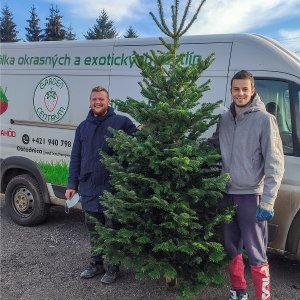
232, 145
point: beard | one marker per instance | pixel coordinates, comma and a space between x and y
99, 112
242, 105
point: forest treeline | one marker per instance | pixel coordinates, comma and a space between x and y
54, 28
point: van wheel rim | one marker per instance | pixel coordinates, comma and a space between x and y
23, 201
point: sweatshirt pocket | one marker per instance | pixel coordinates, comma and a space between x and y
246, 174
85, 177
85, 185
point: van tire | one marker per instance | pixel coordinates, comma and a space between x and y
293, 238
24, 202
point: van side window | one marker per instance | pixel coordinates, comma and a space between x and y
276, 96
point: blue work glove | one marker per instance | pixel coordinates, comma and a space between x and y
264, 212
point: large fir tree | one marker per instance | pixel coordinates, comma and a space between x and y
103, 29
34, 32
54, 30
166, 181
130, 33
8, 29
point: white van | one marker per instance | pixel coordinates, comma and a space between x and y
44, 93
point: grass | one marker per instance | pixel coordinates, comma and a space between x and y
55, 173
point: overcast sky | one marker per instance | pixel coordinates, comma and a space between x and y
278, 19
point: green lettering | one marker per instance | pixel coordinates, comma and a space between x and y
117, 61
196, 58
77, 61
87, 60
102, 60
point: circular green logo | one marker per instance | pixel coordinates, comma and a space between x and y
51, 99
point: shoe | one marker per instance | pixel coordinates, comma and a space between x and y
92, 270
110, 275
236, 295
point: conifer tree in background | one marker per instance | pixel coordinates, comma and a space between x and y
70, 36
54, 30
165, 178
131, 33
33, 30
7, 26
103, 29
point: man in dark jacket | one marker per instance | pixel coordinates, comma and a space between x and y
87, 173
252, 154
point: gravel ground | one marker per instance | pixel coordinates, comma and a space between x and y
44, 262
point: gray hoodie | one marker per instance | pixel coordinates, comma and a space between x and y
251, 151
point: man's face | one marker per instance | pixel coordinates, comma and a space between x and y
99, 103
241, 91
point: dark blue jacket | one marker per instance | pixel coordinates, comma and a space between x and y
86, 171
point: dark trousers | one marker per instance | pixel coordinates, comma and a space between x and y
97, 258
245, 231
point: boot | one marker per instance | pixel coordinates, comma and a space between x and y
92, 270
236, 272
238, 295
261, 281
111, 274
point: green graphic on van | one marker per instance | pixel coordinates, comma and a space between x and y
3, 101
55, 172
57, 60
51, 99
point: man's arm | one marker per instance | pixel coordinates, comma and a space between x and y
74, 167
129, 127
272, 152
135, 122
214, 139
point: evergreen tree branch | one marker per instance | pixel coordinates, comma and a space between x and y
162, 29
185, 13
174, 9
193, 18
162, 19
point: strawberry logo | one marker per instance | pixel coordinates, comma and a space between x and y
3, 101
50, 100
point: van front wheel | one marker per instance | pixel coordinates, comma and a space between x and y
24, 201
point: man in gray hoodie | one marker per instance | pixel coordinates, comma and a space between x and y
252, 154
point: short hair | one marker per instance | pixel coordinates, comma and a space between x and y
243, 74
100, 89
